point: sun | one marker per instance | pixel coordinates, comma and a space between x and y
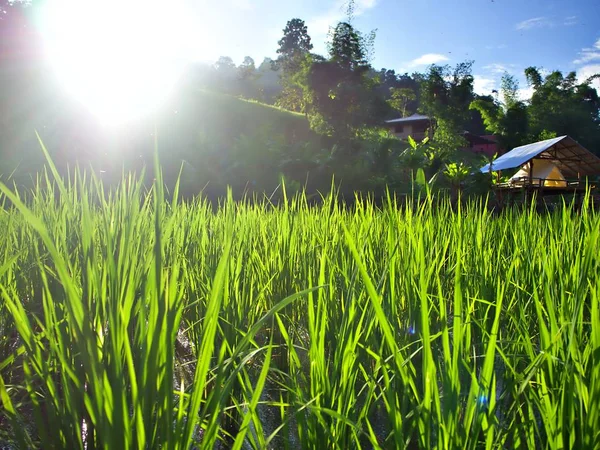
119, 58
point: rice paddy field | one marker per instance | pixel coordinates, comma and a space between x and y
128, 321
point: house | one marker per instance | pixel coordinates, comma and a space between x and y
482, 145
417, 126
551, 166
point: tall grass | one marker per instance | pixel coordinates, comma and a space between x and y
130, 322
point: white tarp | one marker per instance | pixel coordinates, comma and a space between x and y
542, 170
520, 155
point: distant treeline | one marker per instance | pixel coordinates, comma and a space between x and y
342, 103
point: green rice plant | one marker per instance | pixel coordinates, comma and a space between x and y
130, 321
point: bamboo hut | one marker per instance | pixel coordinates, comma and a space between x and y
551, 167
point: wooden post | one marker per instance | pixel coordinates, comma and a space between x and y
531, 172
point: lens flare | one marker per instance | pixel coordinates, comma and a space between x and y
120, 59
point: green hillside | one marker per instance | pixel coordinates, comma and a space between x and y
224, 140
229, 117
221, 140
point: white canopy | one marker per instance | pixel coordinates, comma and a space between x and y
572, 159
542, 170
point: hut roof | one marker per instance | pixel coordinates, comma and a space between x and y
413, 118
572, 159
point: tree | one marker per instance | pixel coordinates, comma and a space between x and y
445, 97
247, 76
560, 105
507, 118
294, 49
346, 47
225, 64
225, 75
533, 76
341, 98
401, 98
564, 106
247, 69
268, 82
446, 93
510, 90
396, 89
294, 45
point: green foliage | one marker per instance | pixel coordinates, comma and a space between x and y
337, 96
401, 98
445, 96
559, 106
508, 120
562, 105
291, 98
293, 46
247, 75
446, 93
347, 48
209, 134
131, 322
294, 54
389, 82
510, 90
268, 80
342, 102
341, 99
456, 172
545, 135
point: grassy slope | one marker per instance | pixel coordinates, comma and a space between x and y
207, 130
232, 116
225, 140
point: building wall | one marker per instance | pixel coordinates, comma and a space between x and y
416, 130
403, 131
485, 149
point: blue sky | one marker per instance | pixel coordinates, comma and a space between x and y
499, 35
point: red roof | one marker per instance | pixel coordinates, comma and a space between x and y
491, 137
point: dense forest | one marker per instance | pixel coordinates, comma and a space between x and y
344, 99
258, 262
328, 89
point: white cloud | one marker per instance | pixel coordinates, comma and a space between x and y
571, 20
428, 59
498, 69
525, 94
483, 85
544, 72
536, 22
587, 55
491, 79
586, 72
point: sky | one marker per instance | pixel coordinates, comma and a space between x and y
498, 35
